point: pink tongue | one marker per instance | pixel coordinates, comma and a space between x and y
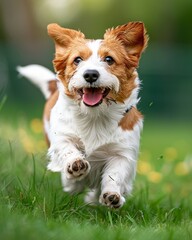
92, 96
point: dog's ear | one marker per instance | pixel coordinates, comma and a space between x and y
62, 36
133, 37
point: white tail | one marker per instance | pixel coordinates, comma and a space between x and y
38, 75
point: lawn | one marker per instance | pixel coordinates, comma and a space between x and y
33, 206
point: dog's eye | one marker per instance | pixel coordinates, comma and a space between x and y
77, 60
109, 60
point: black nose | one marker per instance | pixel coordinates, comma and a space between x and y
91, 75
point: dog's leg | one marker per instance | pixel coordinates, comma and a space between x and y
92, 196
116, 182
66, 157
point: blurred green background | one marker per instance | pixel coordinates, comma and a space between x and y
165, 67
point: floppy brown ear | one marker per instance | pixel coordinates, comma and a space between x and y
133, 37
62, 36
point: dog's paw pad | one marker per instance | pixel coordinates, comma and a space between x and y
78, 169
112, 199
79, 165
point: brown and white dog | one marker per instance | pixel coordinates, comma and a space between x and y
91, 120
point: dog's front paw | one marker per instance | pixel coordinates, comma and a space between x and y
112, 199
78, 169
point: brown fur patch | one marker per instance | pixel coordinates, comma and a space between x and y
130, 119
64, 64
47, 110
63, 36
133, 37
52, 86
121, 68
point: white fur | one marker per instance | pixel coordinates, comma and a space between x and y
39, 75
92, 135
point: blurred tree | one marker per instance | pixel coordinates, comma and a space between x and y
19, 24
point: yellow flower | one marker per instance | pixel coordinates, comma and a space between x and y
154, 177
144, 167
36, 125
181, 169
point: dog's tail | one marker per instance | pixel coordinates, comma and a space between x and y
42, 77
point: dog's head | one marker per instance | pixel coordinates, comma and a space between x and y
97, 71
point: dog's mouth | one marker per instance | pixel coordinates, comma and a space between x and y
93, 97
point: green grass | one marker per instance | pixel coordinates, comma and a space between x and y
33, 205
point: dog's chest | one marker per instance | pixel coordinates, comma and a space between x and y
94, 127
96, 132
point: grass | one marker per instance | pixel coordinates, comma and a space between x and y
33, 205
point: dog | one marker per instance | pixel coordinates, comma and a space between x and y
91, 121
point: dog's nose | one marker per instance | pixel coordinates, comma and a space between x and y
91, 75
